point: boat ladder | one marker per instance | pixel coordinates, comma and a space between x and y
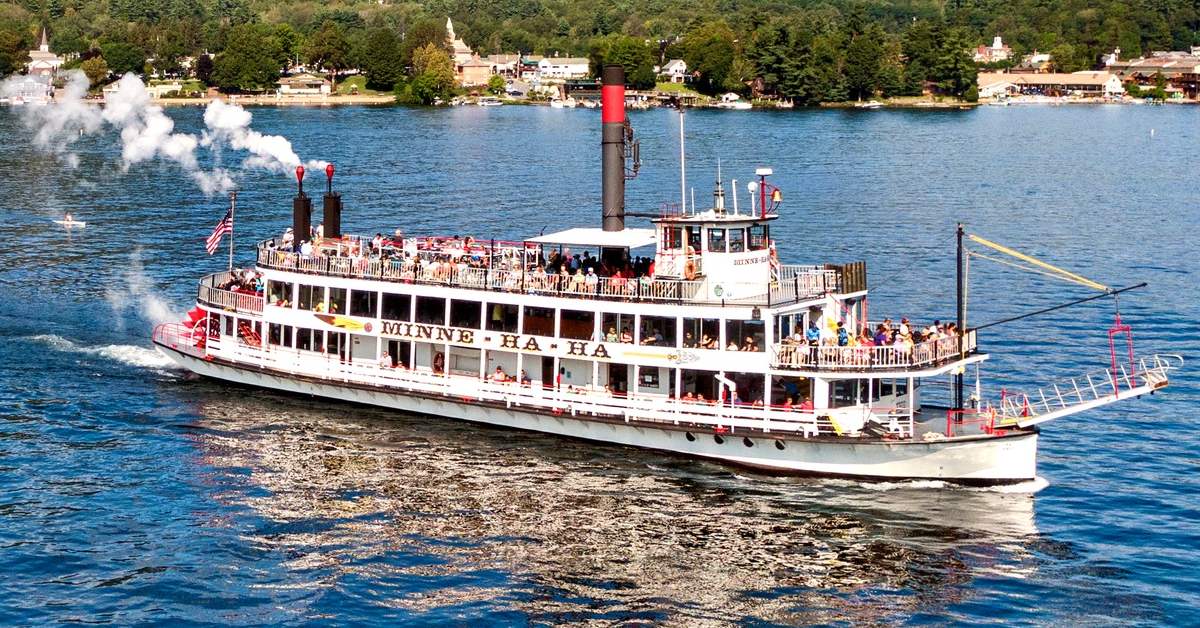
1087, 391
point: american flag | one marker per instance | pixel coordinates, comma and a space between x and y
223, 227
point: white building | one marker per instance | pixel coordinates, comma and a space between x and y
303, 85
675, 71
563, 67
998, 51
34, 89
42, 62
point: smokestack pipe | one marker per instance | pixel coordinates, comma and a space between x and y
333, 207
612, 147
301, 211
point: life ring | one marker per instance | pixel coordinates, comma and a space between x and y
689, 270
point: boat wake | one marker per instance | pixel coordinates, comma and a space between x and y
131, 355
1028, 488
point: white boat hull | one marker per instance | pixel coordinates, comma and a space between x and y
983, 461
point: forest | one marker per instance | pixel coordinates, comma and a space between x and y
807, 51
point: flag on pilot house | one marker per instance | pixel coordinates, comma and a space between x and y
223, 227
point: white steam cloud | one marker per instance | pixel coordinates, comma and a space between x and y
147, 133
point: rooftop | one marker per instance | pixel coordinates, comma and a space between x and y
590, 236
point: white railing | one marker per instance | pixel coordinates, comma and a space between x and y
210, 294
1150, 373
888, 357
802, 282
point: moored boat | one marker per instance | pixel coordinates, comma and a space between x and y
689, 337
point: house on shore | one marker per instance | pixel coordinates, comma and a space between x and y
1093, 84
563, 67
304, 85
675, 71
474, 71
998, 51
31, 88
1180, 70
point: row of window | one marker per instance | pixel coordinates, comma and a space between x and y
719, 240
693, 333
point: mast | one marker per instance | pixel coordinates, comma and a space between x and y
232, 206
961, 316
682, 166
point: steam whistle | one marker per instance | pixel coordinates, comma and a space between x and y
633, 152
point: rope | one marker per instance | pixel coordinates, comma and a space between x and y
1063, 274
1014, 265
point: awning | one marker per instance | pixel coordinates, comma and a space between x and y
583, 236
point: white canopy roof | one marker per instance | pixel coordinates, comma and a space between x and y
585, 236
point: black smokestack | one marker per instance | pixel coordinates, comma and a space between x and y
612, 147
333, 207
301, 211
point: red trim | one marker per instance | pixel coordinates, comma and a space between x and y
612, 100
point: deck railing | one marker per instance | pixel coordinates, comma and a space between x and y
210, 293
888, 357
796, 282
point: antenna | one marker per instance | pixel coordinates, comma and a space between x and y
733, 184
752, 187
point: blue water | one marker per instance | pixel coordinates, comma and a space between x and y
130, 493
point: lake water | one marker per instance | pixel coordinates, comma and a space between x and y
130, 493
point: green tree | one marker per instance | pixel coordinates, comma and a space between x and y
96, 70
204, 68
13, 55
382, 58
249, 62
433, 75
634, 55
122, 57
864, 58
709, 51
328, 48
496, 84
954, 68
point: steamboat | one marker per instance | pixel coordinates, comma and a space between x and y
688, 337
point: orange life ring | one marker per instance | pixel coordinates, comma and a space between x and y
689, 270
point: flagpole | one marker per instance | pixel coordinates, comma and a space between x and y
232, 205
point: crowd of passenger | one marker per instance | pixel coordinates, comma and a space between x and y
453, 258
245, 281
886, 334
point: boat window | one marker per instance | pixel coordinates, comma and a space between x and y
228, 325
744, 335
279, 335
310, 296
363, 303
701, 333
337, 301
737, 240
617, 327
577, 325
648, 376
716, 240
693, 239
658, 331
465, 314
843, 393
335, 343
538, 321
672, 238
304, 338
397, 307
431, 310
758, 238
503, 317
279, 293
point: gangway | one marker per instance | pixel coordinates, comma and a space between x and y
1085, 392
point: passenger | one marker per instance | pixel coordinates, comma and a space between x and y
689, 341
732, 346
813, 334
591, 280
612, 336
843, 335
708, 342
499, 375
749, 345
626, 336
525, 380
439, 362
385, 361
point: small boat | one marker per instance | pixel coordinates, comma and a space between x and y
71, 223
733, 101
870, 104
490, 101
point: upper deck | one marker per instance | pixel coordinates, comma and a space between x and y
520, 267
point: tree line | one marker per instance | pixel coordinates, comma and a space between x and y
808, 51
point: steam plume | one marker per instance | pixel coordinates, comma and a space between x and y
147, 133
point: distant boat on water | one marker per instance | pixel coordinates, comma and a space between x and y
490, 101
870, 104
733, 101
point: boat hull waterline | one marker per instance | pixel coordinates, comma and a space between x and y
972, 461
